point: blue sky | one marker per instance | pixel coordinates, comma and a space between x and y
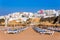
9, 6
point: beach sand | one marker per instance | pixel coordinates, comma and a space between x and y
29, 34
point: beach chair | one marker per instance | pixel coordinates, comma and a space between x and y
54, 29
47, 32
37, 29
22, 29
43, 31
10, 31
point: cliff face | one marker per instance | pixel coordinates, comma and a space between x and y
35, 20
57, 20
51, 19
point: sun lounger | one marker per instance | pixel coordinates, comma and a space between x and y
37, 29
16, 30
54, 29
22, 29
47, 32
10, 31
43, 31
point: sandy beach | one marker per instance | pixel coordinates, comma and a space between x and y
29, 34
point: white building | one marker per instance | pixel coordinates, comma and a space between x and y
2, 17
48, 13
58, 12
